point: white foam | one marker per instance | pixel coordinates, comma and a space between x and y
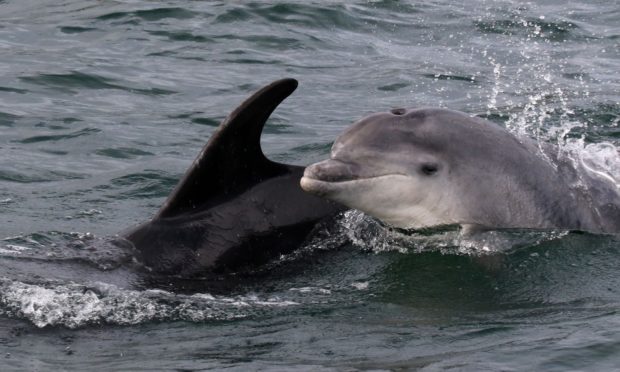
319, 290
75, 305
361, 286
603, 160
368, 234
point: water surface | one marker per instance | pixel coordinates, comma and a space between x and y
103, 105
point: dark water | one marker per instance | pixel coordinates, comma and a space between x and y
103, 105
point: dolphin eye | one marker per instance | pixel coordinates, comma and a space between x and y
429, 169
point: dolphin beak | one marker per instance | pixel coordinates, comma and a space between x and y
332, 170
319, 178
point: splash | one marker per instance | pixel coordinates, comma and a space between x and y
367, 233
75, 305
600, 159
529, 88
103, 253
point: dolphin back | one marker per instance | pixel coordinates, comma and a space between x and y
233, 207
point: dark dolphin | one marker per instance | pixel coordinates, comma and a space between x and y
428, 167
234, 207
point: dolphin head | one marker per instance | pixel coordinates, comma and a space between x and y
391, 165
415, 168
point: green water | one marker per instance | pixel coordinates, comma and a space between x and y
103, 105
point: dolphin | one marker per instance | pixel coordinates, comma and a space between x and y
420, 168
233, 207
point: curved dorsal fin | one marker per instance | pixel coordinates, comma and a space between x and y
232, 160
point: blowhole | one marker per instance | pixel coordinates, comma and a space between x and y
398, 111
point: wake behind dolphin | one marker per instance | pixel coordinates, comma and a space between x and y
428, 167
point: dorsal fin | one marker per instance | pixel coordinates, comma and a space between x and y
232, 160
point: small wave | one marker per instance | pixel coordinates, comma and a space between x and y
71, 80
122, 153
76, 29
206, 121
78, 80
143, 185
393, 87
181, 36
312, 148
45, 176
60, 137
7, 120
602, 120
447, 76
156, 14
311, 16
530, 27
13, 90
102, 253
267, 42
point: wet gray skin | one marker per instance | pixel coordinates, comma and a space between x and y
427, 167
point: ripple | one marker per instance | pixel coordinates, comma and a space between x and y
603, 121
153, 184
535, 28
81, 80
75, 29
469, 79
103, 254
261, 42
206, 121
150, 14
7, 120
71, 80
334, 17
60, 137
13, 90
233, 15
20, 177
185, 115
122, 153
277, 126
393, 87
321, 148
251, 61
181, 36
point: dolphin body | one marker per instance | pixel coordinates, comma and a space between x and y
418, 168
233, 207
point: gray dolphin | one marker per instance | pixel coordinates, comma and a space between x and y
427, 167
233, 207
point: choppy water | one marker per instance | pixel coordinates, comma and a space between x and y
103, 105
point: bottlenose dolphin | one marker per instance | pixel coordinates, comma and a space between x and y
233, 207
418, 168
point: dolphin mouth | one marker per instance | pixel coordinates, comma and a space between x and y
332, 170
322, 178
316, 187
326, 188
339, 171
333, 175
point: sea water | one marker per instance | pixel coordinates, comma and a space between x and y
104, 104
